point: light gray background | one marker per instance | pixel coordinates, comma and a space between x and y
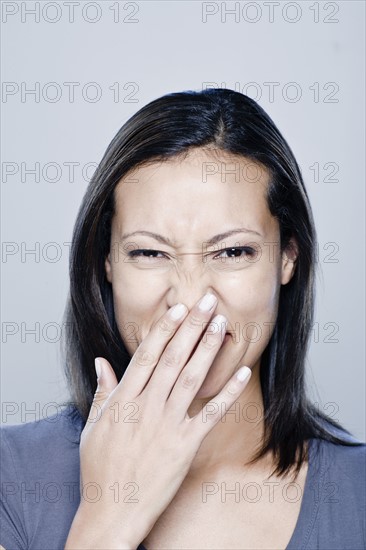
170, 48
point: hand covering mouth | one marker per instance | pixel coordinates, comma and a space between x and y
226, 338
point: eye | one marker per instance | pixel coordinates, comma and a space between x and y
236, 252
145, 253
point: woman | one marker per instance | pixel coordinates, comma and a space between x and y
192, 287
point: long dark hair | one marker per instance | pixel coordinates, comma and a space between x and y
164, 128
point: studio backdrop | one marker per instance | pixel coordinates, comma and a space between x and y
74, 72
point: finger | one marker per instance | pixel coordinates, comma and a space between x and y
193, 374
216, 409
147, 355
107, 382
181, 348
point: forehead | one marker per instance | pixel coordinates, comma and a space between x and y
204, 190
206, 161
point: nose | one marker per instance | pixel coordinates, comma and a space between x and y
188, 285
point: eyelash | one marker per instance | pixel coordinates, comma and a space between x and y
135, 253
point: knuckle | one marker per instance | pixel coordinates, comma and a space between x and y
210, 342
194, 322
170, 358
232, 389
188, 380
165, 327
144, 358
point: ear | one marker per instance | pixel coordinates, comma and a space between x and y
289, 257
108, 268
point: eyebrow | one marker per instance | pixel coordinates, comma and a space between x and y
213, 240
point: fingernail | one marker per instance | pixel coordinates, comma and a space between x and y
207, 302
243, 374
98, 367
178, 311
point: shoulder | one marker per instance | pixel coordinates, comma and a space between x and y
65, 421
344, 465
350, 458
336, 497
351, 452
32, 445
39, 480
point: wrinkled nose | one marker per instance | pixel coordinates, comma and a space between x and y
189, 284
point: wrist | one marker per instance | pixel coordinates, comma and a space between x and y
90, 531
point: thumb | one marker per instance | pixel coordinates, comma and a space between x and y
106, 379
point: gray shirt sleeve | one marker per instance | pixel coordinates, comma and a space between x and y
12, 522
39, 482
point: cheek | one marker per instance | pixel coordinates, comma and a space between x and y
254, 300
252, 326
135, 304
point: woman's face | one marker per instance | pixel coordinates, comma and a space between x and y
186, 203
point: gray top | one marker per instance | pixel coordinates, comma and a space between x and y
40, 488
